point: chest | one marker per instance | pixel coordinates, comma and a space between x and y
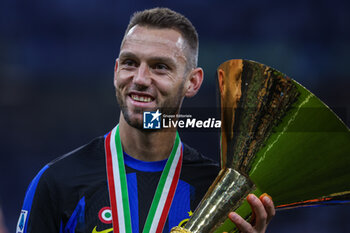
93, 212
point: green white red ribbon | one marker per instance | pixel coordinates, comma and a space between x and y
118, 189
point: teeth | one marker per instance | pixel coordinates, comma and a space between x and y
141, 98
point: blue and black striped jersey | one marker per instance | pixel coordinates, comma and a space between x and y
70, 194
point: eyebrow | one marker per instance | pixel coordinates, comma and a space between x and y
127, 55
167, 60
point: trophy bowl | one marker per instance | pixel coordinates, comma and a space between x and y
276, 138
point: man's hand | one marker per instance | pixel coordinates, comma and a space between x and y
263, 210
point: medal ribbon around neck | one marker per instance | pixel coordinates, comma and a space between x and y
118, 189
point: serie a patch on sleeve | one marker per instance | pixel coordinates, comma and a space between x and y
21, 221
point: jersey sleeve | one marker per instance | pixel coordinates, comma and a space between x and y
39, 211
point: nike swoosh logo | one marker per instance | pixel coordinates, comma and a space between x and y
104, 231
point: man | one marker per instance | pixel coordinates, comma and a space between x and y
154, 180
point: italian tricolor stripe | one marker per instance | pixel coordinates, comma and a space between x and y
165, 190
110, 180
118, 190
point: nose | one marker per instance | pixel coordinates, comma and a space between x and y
143, 75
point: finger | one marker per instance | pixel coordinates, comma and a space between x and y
269, 206
259, 210
252, 219
240, 223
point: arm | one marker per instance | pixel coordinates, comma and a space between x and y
39, 213
263, 211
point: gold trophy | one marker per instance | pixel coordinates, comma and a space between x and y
276, 138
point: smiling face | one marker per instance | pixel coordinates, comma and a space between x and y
151, 73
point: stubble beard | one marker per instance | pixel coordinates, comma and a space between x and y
126, 114
175, 101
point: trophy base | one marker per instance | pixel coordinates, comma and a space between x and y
179, 230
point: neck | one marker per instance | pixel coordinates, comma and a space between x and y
146, 145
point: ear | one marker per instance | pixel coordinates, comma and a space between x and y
221, 80
115, 71
194, 82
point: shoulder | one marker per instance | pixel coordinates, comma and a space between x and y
88, 153
59, 186
198, 165
76, 168
194, 157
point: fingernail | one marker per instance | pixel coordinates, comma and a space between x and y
251, 197
233, 216
265, 194
266, 198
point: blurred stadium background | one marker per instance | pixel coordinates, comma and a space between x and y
56, 76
